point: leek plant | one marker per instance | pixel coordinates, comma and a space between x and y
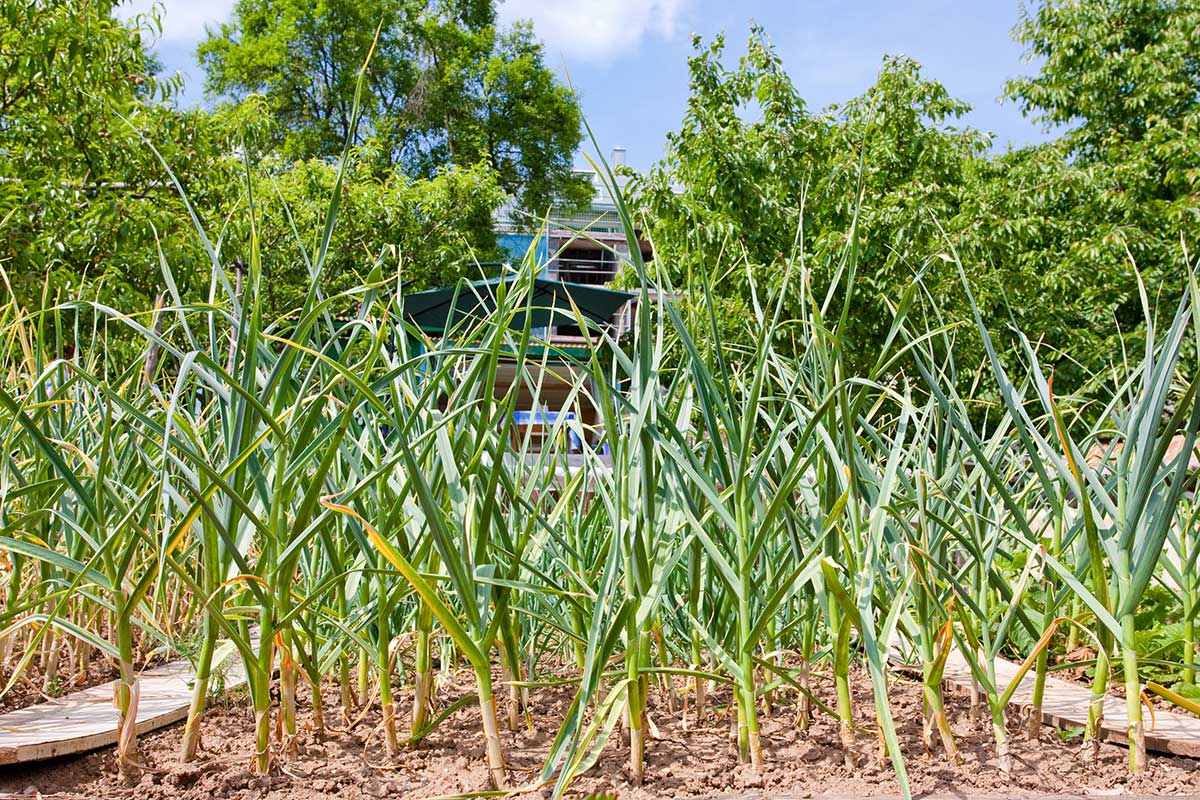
1140, 499
82, 484
746, 477
1126, 516
1184, 539
342, 496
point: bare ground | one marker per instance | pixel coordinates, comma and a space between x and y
679, 763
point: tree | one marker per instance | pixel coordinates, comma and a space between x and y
1113, 71
1052, 237
89, 210
426, 232
83, 199
445, 86
1060, 231
751, 168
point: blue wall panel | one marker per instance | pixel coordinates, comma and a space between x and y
516, 245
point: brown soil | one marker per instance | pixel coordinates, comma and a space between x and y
679, 763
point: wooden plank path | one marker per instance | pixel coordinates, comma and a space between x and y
1065, 705
86, 720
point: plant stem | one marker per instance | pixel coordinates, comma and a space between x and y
422, 671
1000, 733
841, 682
491, 730
936, 716
1133, 696
386, 701
191, 731
635, 702
260, 691
1188, 596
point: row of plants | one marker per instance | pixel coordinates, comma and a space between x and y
303, 493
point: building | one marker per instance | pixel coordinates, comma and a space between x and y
578, 254
584, 247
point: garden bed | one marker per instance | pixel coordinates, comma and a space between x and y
680, 763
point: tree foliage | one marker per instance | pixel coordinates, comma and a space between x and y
445, 86
1114, 71
82, 197
89, 210
462, 114
756, 177
1067, 227
426, 233
1054, 236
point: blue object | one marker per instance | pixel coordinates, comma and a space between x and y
517, 245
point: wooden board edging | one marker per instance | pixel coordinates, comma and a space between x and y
1065, 706
86, 720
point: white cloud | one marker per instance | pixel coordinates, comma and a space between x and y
595, 30
183, 21
587, 30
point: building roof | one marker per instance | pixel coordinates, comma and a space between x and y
550, 303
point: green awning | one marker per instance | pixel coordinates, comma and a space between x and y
438, 310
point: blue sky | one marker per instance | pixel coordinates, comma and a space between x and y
628, 58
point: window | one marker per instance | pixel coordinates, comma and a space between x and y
588, 265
